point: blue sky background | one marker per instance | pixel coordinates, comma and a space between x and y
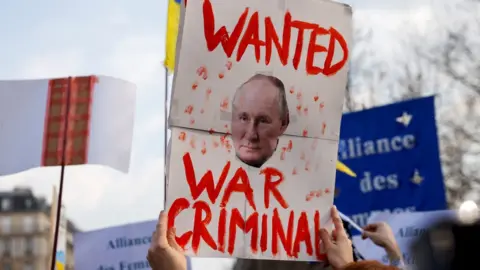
125, 39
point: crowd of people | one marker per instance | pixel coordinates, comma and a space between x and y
165, 254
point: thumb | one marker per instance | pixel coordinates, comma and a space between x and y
327, 242
172, 241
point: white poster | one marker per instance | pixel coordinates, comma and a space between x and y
33, 122
114, 248
407, 227
255, 118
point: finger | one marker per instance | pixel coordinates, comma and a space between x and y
327, 242
161, 233
154, 237
338, 223
172, 241
366, 234
371, 227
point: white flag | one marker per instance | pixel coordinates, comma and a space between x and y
33, 122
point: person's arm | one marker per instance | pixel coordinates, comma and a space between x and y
395, 256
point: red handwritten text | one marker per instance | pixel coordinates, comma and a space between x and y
266, 232
246, 34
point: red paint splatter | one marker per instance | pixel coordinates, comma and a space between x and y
290, 145
215, 144
324, 127
188, 109
192, 143
299, 95
282, 155
305, 111
299, 108
224, 104
318, 193
292, 91
322, 105
211, 131
308, 198
327, 191
221, 75
305, 133
228, 65
202, 72
294, 172
307, 166
194, 86
182, 136
315, 98
208, 92
204, 150
192, 121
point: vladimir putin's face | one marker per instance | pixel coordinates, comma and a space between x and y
257, 121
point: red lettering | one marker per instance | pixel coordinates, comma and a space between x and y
222, 223
221, 36
301, 26
251, 37
313, 48
302, 235
318, 252
264, 236
278, 232
328, 69
235, 186
271, 187
200, 230
178, 206
250, 225
206, 182
272, 37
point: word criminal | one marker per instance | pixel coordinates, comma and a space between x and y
261, 227
250, 37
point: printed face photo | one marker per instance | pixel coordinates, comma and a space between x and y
260, 116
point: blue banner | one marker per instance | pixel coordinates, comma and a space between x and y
393, 150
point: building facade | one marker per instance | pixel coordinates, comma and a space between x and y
25, 232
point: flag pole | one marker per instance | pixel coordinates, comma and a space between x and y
165, 140
62, 175
53, 211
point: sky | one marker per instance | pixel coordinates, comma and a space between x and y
125, 39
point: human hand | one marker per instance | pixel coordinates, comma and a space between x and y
339, 247
164, 252
381, 235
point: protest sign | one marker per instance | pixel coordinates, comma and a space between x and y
33, 121
115, 248
393, 150
407, 227
255, 119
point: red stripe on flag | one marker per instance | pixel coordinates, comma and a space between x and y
79, 116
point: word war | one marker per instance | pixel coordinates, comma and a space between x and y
251, 37
268, 232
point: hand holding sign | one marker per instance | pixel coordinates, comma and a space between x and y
381, 235
164, 252
338, 247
